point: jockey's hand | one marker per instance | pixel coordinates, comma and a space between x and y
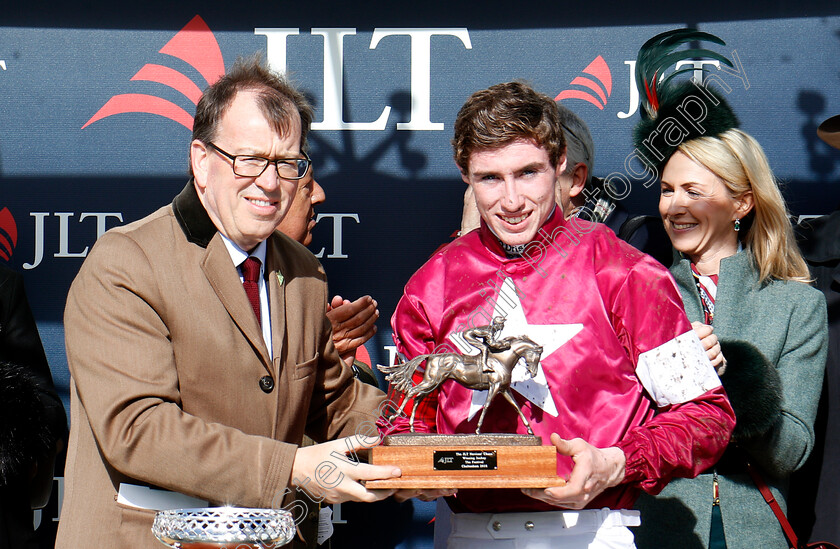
595, 470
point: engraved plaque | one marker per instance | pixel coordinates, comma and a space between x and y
464, 460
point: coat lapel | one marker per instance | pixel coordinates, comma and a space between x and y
682, 274
737, 281
218, 267
276, 285
222, 275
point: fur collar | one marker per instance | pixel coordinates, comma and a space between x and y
754, 389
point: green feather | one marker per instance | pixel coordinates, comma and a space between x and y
657, 55
662, 95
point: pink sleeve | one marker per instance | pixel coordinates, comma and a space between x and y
694, 418
682, 441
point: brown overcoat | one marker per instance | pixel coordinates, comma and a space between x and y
166, 358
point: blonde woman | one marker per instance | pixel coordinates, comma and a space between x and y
745, 287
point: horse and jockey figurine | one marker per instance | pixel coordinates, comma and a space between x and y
489, 370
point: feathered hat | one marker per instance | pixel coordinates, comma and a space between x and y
674, 112
829, 131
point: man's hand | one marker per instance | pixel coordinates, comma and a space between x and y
325, 471
424, 495
353, 323
595, 470
711, 345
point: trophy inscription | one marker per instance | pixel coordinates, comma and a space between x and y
480, 460
464, 460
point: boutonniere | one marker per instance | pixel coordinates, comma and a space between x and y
279, 277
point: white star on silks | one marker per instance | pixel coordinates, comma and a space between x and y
550, 336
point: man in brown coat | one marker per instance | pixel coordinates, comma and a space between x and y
186, 391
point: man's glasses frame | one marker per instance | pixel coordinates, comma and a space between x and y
249, 165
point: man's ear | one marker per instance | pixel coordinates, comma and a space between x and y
561, 166
579, 175
199, 157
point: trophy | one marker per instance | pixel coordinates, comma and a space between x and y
224, 527
497, 460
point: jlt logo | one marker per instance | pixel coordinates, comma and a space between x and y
8, 234
196, 45
597, 90
421, 55
66, 223
64, 232
338, 233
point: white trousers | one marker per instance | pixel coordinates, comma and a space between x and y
587, 529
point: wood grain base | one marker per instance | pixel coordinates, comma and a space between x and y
515, 467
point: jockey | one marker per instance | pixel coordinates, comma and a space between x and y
484, 338
625, 390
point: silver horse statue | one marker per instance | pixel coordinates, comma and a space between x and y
493, 376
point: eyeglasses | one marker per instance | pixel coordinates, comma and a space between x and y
245, 165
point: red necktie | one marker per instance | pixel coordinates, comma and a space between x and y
250, 276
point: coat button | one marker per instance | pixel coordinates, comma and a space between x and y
266, 384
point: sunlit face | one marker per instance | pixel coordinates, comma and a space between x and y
245, 209
300, 219
514, 189
698, 210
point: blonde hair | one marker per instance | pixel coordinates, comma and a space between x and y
738, 160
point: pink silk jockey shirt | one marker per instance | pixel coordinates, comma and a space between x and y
620, 366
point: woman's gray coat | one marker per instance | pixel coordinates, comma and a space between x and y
786, 322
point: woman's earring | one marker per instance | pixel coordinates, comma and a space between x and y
737, 225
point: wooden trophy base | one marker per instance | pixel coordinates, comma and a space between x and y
466, 461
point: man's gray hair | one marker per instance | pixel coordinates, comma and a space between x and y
579, 145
